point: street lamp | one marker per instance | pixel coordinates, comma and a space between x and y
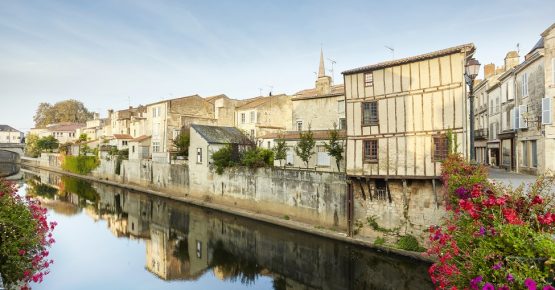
471, 69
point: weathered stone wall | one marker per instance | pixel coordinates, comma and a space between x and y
316, 197
411, 211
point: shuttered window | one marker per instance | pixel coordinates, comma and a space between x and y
522, 109
534, 153
323, 156
289, 157
516, 118
370, 113
524, 85
368, 79
371, 151
546, 110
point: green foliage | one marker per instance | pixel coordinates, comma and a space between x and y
64, 111
252, 158
83, 137
305, 147
80, 164
81, 188
182, 142
452, 142
31, 146
65, 148
409, 243
335, 146
379, 241
223, 158
286, 217
47, 143
280, 150
257, 157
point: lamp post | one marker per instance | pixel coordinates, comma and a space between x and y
471, 69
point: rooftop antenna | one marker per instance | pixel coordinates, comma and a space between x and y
271, 89
518, 48
392, 51
331, 70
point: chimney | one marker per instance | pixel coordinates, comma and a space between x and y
96, 116
489, 70
511, 59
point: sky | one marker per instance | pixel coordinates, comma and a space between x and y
112, 54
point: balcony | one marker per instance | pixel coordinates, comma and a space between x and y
481, 134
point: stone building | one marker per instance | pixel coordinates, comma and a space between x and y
64, 132
263, 115
224, 109
120, 121
94, 128
10, 135
321, 109
398, 116
166, 119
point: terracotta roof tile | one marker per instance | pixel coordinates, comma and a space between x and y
123, 136
295, 135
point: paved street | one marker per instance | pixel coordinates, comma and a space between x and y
511, 178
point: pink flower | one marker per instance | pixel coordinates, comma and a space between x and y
22, 252
530, 284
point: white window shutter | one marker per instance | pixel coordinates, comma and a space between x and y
516, 118
546, 110
521, 121
513, 118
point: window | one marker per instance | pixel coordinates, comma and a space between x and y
368, 79
524, 153
370, 113
441, 148
534, 152
341, 106
269, 145
252, 134
299, 125
323, 156
124, 143
199, 249
516, 118
133, 149
289, 158
242, 118
525, 85
175, 134
253, 117
199, 155
522, 110
546, 110
371, 151
342, 123
155, 146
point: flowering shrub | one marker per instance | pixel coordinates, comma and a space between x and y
25, 236
493, 237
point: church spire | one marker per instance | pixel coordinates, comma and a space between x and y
321, 69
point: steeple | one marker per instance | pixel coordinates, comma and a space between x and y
321, 69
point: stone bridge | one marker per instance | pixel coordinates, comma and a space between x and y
11, 152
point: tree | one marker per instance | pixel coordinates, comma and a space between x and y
31, 146
280, 149
335, 146
48, 143
64, 111
305, 147
182, 142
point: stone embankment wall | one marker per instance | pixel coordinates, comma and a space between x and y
414, 206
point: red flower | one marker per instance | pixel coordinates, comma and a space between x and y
537, 200
546, 219
511, 216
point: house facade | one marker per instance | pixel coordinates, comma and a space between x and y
263, 115
9, 134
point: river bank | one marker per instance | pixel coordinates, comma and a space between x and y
281, 221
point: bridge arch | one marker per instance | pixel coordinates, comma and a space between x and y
11, 152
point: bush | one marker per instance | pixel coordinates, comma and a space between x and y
252, 158
257, 157
379, 241
223, 158
80, 164
493, 237
25, 236
409, 243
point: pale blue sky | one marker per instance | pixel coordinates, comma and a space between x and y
104, 52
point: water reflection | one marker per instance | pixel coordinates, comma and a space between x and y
186, 243
10, 170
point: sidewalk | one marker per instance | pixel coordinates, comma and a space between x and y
510, 178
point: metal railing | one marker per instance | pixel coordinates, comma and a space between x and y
481, 133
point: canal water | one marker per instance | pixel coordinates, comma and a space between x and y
113, 238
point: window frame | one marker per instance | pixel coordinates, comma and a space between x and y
368, 79
438, 156
299, 128
371, 121
367, 156
243, 118
199, 155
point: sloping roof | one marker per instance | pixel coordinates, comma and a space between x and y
141, 138
538, 45
174, 100
469, 47
552, 26
221, 135
7, 128
336, 90
123, 136
212, 99
295, 135
65, 127
258, 101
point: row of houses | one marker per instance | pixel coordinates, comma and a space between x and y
514, 111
